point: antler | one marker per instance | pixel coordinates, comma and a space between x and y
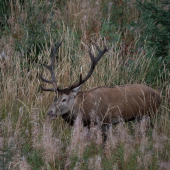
94, 61
51, 69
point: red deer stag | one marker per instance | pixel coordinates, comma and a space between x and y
107, 104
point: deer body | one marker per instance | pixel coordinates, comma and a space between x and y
109, 104
104, 104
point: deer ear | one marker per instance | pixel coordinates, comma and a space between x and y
75, 90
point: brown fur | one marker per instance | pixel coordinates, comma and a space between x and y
110, 104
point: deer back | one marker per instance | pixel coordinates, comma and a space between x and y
110, 104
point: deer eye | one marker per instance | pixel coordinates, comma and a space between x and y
64, 100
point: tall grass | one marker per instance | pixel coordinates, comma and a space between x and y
36, 142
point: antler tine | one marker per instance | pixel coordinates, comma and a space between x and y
47, 89
45, 80
101, 53
96, 46
51, 69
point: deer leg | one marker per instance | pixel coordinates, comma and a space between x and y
104, 133
151, 124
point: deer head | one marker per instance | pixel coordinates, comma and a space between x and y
66, 98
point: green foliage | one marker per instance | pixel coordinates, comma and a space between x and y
6, 156
153, 22
5, 11
117, 11
35, 30
156, 26
33, 156
108, 30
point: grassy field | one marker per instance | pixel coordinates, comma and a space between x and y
28, 138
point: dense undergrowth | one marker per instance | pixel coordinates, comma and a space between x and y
28, 138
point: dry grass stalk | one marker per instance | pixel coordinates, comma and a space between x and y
23, 165
96, 135
95, 130
147, 160
51, 145
16, 160
97, 165
128, 152
18, 124
35, 127
85, 16
79, 138
123, 134
91, 163
8, 125
1, 144
111, 142
77, 167
159, 140
141, 130
163, 165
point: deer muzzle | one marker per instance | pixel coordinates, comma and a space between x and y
51, 113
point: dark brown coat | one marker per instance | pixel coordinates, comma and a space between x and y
109, 104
